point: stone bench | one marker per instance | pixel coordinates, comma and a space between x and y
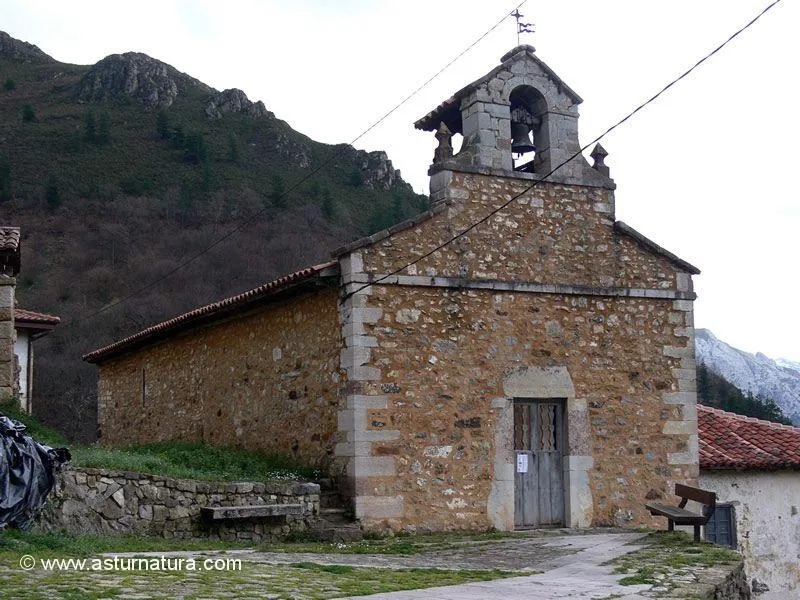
219, 513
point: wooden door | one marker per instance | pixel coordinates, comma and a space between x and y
538, 451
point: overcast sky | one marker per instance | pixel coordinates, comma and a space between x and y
707, 171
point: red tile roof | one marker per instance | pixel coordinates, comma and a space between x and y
730, 441
9, 238
23, 317
9, 250
210, 312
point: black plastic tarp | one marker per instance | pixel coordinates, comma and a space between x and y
27, 473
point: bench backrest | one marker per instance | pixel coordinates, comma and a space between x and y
692, 493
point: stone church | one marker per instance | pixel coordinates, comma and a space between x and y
514, 357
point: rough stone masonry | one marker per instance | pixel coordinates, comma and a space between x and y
101, 501
445, 347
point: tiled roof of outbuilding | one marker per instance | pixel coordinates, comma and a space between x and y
730, 441
210, 312
28, 316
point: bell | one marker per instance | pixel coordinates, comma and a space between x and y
520, 138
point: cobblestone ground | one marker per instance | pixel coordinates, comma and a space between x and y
568, 566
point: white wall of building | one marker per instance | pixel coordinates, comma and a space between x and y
21, 347
767, 505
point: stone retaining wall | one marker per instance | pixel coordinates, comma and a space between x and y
97, 501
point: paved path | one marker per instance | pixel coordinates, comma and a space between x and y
578, 574
571, 567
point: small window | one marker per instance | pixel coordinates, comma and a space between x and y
721, 527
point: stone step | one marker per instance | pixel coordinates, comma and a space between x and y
326, 484
329, 511
325, 530
331, 500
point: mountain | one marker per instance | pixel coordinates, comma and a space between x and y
758, 374
122, 173
788, 364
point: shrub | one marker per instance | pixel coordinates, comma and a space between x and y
5, 179
28, 114
52, 195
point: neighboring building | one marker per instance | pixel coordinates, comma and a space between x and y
537, 371
754, 467
9, 267
18, 328
29, 326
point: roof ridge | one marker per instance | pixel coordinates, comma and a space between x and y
187, 318
35, 313
731, 441
746, 418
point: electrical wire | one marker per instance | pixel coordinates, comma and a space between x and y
333, 156
575, 155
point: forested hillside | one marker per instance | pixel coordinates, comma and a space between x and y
120, 172
714, 390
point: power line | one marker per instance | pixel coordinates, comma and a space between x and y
333, 156
575, 155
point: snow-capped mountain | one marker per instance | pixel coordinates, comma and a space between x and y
756, 373
788, 364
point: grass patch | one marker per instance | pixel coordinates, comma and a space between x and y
38, 431
358, 581
186, 460
667, 553
402, 544
14, 543
338, 569
182, 460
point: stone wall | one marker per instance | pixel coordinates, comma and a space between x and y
436, 354
553, 234
8, 365
266, 381
97, 501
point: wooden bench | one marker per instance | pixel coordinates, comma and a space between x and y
219, 513
681, 516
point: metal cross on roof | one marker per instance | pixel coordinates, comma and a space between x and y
521, 27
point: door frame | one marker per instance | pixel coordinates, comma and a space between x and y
541, 383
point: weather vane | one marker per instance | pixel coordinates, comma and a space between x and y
521, 27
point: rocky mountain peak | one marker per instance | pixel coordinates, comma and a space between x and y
19, 50
379, 173
134, 75
235, 101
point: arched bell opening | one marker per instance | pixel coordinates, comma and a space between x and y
528, 111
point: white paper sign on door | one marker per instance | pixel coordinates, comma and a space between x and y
522, 463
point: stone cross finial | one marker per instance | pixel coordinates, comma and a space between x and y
599, 155
444, 151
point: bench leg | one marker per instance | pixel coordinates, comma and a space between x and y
697, 533
670, 525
